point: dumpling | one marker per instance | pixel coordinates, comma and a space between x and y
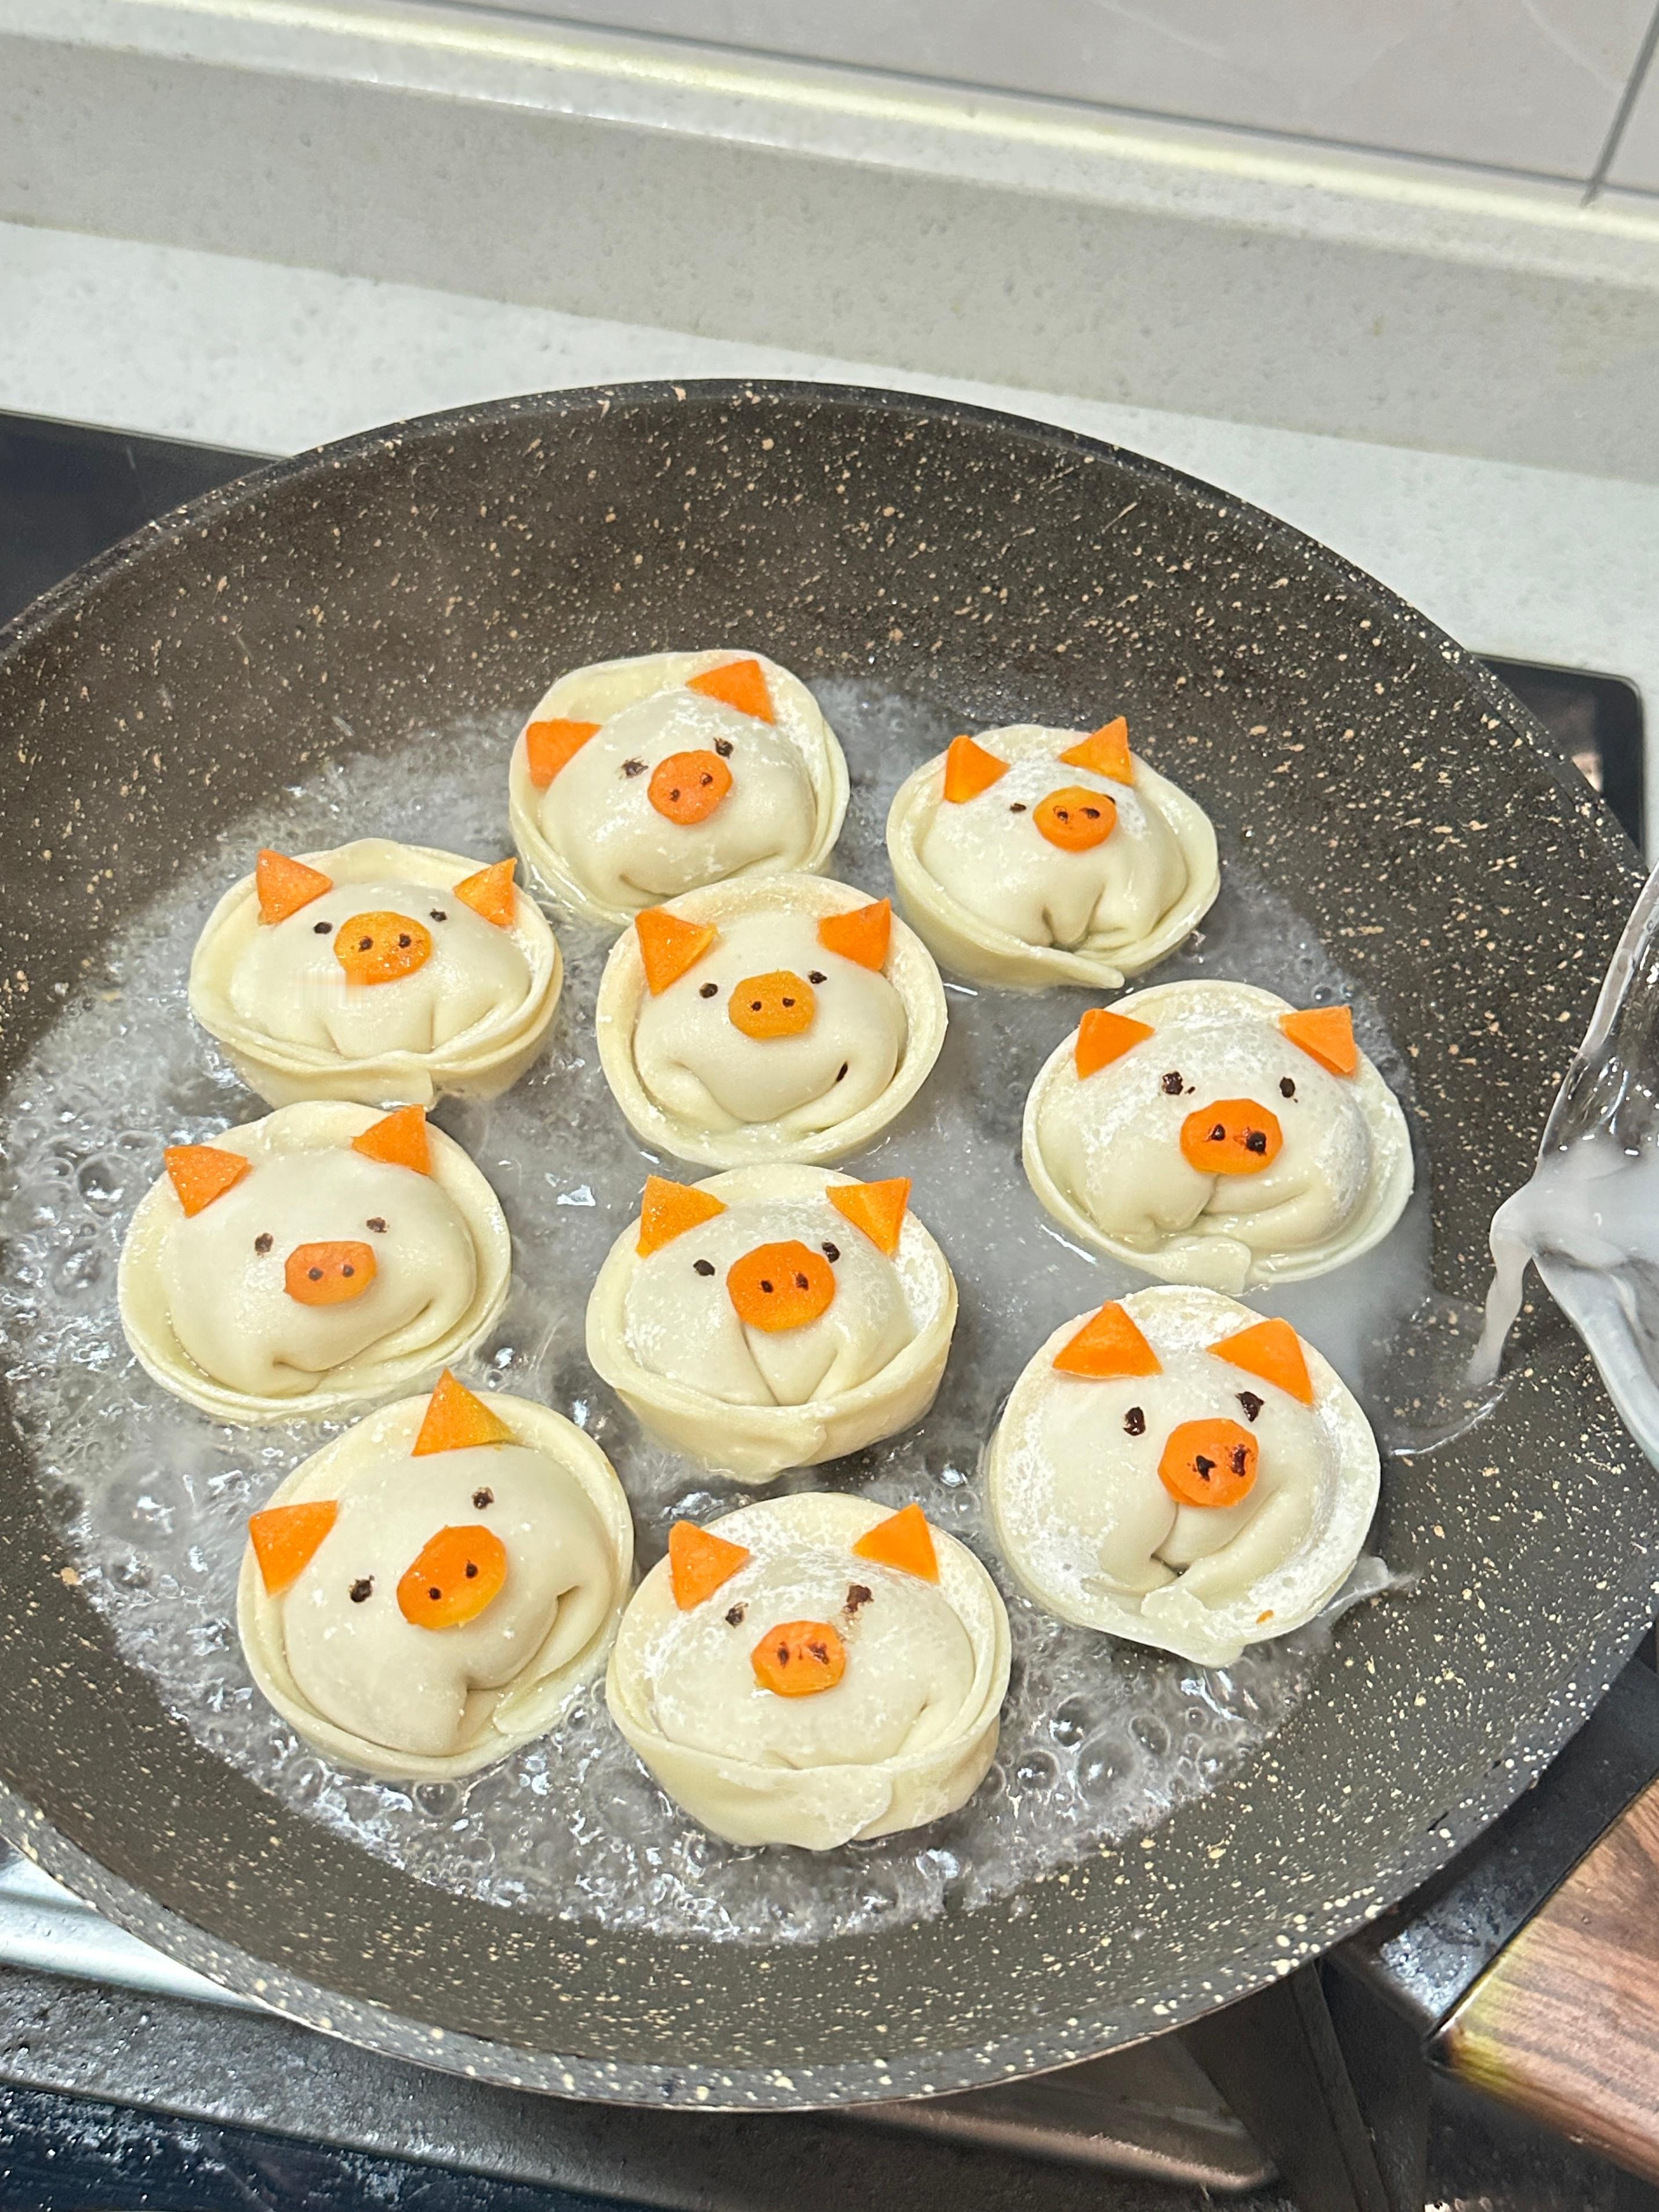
773, 1316
1176, 1470
387, 974
813, 1668
430, 1589
636, 780
1031, 857
785, 1017
1210, 1133
324, 1256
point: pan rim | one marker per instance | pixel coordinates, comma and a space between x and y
1262, 1958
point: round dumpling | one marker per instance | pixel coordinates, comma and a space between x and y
773, 1316
634, 781
786, 1018
813, 1670
1211, 1132
1030, 857
1176, 1470
429, 1590
319, 1258
383, 973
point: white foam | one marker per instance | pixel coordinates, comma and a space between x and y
1099, 1740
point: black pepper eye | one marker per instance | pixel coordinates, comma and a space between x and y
734, 1616
1287, 1088
703, 1266
321, 929
817, 975
263, 1242
633, 768
858, 1593
1251, 1404
709, 991
1016, 806
831, 1252
841, 1070
439, 914
1172, 1084
483, 1497
723, 747
377, 1223
362, 1588
1134, 1422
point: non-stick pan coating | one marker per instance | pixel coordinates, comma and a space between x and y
1012, 572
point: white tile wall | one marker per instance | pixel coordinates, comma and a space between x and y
1531, 85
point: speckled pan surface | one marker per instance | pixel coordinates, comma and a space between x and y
1376, 777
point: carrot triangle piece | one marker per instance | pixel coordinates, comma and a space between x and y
1109, 1344
902, 1541
877, 1208
669, 1209
1325, 1034
455, 1420
740, 684
201, 1173
284, 886
969, 769
400, 1139
1272, 1350
1106, 750
863, 935
668, 946
285, 1538
551, 747
489, 893
699, 1561
1103, 1037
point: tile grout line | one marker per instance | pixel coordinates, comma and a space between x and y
1625, 110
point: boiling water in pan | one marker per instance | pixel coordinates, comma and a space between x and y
1100, 1740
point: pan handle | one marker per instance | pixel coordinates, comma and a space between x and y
1531, 1967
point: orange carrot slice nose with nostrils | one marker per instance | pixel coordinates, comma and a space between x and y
1233, 1137
382, 947
687, 788
798, 1658
1208, 1462
328, 1275
459, 1572
779, 1286
1073, 819
285, 1538
780, 1005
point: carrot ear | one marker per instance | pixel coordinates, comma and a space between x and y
455, 1420
201, 1173
1108, 1344
699, 1563
489, 893
551, 747
969, 769
740, 684
1106, 750
668, 1210
1272, 1350
284, 886
877, 1208
1325, 1034
399, 1139
1103, 1037
669, 946
902, 1541
863, 935
286, 1539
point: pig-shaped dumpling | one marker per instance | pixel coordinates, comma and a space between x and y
636, 780
773, 1316
383, 973
1030, 857
1211, 1132
430, 1589
1176, 1470
322, 1257
813, 1668
782, 1018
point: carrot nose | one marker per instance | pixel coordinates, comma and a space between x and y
779, 1286
460, 1572
328, 1275
1233, 1137
1075, 819
1208, 1462
687, 788
379, 948
799, 1658
780, 1005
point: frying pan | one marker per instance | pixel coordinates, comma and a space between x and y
1012, 572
